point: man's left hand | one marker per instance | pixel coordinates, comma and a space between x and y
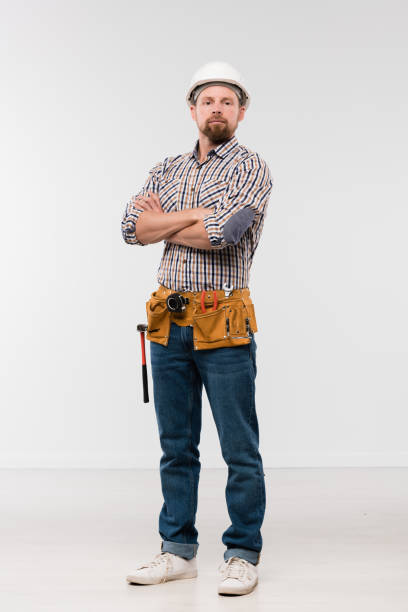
149, 202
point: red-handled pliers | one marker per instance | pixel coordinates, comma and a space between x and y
203, 297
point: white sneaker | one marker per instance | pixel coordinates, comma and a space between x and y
165, 566
239, 577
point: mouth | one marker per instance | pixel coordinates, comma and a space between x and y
217, 121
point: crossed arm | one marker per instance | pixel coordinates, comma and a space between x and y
184, 227
202, 227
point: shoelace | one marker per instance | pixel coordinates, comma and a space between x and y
235, 567
164, 557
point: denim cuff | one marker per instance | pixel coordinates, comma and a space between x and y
244, 553
188, 551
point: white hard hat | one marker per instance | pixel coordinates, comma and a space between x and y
218, 73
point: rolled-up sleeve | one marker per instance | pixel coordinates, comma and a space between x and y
243, 205
132, 211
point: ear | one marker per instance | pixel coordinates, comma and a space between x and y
241, 114
193, 111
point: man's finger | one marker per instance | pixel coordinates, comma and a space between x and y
158, 205
155, 201
148, 204
151, 200
138, 202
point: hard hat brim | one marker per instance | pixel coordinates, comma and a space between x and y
203, 81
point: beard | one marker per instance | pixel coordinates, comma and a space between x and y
217, 133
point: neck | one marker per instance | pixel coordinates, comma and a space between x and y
205, 145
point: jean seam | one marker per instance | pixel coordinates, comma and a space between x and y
251, 420
191, 397
251, 367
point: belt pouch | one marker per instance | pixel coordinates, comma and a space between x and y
229, 325
158, 320
251, 314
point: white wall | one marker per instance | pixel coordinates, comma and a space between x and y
93, 96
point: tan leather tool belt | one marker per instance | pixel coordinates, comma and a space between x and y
228, 324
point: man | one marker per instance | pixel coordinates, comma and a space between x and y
209, 207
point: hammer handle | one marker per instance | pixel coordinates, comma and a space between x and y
144, 370
145, 388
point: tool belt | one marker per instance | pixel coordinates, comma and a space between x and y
227, 320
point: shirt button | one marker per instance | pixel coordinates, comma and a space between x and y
184, 260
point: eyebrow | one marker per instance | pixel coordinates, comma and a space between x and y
211, 98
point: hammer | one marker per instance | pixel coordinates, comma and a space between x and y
142, 327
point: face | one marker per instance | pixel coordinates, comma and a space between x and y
217, 102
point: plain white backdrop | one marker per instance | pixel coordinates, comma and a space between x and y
93, 95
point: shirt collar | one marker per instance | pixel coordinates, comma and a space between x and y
222, 150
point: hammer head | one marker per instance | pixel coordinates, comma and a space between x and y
141, 327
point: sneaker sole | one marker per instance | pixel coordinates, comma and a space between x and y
231, 591
135, 580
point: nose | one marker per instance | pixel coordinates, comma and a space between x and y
217, 108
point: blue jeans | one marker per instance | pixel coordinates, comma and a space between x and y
228, 375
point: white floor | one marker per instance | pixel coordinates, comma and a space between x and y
335, 540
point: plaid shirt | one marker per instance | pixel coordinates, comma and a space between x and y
238, 183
